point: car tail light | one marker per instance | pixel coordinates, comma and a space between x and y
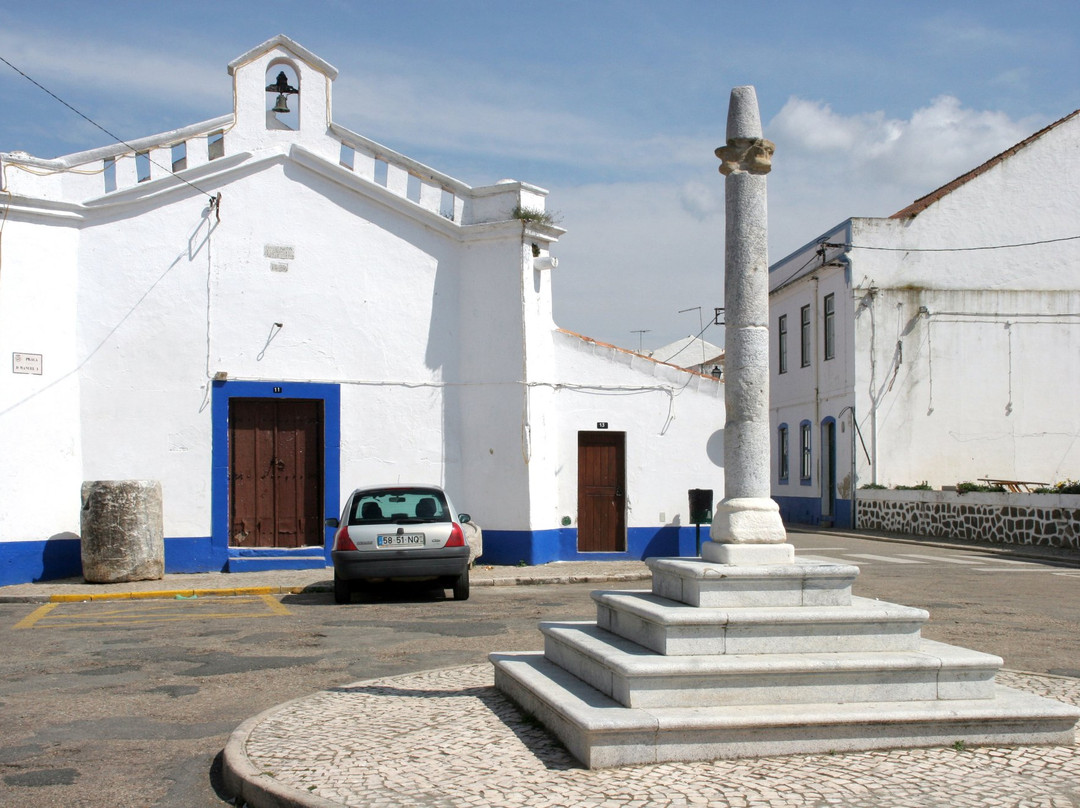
342, 540
457, 538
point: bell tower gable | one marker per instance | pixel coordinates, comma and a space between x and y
283, 87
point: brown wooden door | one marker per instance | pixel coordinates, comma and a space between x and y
275, 469
601, 492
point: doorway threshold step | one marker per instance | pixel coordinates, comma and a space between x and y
260, 563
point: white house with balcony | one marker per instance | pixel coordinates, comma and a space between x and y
264, 310
939, 345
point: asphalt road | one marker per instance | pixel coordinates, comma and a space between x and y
129, 704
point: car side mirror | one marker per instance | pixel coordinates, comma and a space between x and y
331, 522
463, 517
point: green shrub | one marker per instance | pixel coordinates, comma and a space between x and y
538, 216
871, 487
967, 488
923, 486
1064, 487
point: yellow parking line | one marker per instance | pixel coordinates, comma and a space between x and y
34, 616
276, 606
172, 594
145, 612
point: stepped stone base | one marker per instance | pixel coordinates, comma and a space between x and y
746, 660
601, 733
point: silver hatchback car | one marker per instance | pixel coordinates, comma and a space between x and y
399, 532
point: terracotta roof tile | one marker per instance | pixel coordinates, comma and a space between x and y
583, 338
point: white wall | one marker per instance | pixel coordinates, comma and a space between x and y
39, 414
138, 297
963, 362
673, 422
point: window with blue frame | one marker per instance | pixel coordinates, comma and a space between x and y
782, 454
804, 452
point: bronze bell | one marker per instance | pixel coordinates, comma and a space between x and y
283, 89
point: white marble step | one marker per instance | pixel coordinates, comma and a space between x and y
672, 628
636, 677
703, 583
602, 733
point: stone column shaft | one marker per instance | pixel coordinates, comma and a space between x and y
746, 528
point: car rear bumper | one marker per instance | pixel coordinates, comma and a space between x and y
354, 565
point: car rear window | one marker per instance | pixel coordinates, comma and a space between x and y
398, 505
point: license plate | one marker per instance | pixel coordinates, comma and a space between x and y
401, 540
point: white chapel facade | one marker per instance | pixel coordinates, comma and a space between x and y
264, 310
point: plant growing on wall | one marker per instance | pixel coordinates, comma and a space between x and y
1064, 487
968, 488
538, 216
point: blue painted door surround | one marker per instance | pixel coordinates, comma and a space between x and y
330, 396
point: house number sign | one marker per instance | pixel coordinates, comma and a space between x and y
601, 424
26, 363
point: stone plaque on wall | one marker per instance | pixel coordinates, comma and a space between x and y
26, 363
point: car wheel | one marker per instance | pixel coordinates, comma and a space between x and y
342, 591
461, 586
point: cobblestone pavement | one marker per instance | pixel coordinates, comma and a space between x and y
447, 738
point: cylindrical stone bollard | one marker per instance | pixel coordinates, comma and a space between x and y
123, 535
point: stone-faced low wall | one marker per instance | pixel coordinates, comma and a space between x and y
1050, 520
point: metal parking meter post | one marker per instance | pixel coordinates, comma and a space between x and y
700, 510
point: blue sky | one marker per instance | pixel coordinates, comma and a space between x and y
614, 107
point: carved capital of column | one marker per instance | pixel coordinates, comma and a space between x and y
751, 155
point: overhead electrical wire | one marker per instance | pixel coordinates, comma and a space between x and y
950, 249
117, 138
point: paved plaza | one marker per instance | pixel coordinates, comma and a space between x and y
448, 738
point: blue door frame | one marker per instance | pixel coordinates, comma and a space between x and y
329, 394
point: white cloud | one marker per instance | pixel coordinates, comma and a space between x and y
937, 143
700, 200
829, 167
638, 252
632, 258
120, 69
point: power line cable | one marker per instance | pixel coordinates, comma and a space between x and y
951, 249
118, 139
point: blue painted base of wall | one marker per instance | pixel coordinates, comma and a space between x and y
807, 511
510, 547
23, 562
198, 554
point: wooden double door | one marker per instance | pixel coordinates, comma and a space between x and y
602, 492
275, 472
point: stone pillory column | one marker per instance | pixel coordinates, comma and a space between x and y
746, 528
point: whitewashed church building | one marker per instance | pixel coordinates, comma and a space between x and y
265, 310
939, 345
